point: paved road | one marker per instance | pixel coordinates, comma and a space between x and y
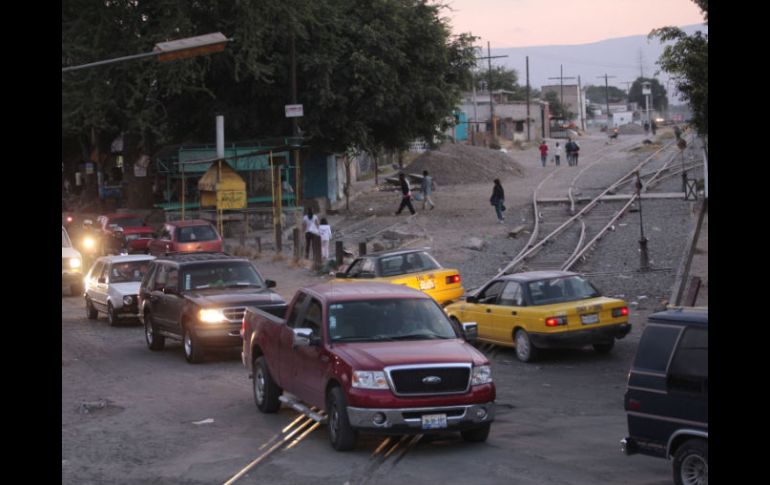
559, 421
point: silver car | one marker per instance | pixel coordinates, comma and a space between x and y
112, 286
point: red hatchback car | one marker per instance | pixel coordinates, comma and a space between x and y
186, 237
138, 233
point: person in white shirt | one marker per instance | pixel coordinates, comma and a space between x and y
325, 231
557, 154
311, 227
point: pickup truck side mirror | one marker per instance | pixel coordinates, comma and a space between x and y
170, 290
470, 331
270, 283
303, 337
102, 280
471, 299
340, 275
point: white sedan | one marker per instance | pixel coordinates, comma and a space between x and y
112, 286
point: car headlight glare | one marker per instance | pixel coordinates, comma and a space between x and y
74, 263
89, 243
364, 379
481, 375
211, 315
127, 300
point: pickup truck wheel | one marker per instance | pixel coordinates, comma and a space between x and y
341, 435
525, 351
691, 463
192, 347
476, 435
266, 391
91, 312
112, 317
155, 341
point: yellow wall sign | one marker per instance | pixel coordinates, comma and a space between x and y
231, 199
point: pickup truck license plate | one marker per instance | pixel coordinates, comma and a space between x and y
427, 284
433, 421
589, 319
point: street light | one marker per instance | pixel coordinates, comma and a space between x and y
168, 51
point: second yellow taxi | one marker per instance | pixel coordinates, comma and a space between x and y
543, 309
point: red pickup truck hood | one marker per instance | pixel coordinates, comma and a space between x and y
378, 355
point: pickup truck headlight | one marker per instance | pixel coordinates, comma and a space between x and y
481, 375
211, 315
75, 263
364, 379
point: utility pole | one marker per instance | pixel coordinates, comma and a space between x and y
561, 79
489, 58
607, 94
527, 58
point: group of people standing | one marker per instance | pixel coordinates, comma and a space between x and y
572, 148
314, 230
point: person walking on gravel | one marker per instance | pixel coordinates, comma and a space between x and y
427, 190
575, 152
543, 152
557, 154
497, 199
570, 148
406, 195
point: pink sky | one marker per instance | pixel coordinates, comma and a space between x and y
521, 23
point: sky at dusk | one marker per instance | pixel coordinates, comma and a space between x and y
521, 23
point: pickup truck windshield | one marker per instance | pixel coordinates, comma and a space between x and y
560, 290
234, 274
387, 320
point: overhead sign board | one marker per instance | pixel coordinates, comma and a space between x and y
294, 111
231, 199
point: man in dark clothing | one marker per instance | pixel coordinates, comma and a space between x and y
497, 199
406, 195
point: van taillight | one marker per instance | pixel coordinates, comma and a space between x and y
455, 278
620, 312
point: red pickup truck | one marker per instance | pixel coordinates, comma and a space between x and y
376, 357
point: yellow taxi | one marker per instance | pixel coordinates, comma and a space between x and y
414, 268
543, 309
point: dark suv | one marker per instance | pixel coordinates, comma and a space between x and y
200, 299
667, 395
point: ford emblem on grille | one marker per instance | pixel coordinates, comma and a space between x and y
431, 380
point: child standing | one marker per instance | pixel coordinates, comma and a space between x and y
326, 236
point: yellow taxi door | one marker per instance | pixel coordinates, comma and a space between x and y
482, 312
506, 312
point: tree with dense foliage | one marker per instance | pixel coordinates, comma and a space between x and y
372, 74
686, 60
598, 94
658, 98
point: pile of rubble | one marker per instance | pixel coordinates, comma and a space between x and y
454, 164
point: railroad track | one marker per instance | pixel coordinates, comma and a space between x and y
570, 238
386, 455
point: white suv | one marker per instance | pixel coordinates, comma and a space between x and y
71, 265
112, 286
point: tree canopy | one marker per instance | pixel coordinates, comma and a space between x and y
373, 74
686, 59
658, 98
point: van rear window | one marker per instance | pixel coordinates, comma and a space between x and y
195, 234
655, 347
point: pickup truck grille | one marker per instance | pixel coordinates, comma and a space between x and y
430, 379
